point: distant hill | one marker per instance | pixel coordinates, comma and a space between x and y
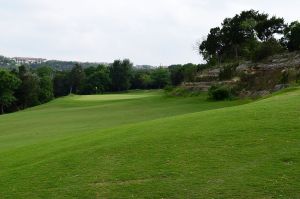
66, 65
6, 62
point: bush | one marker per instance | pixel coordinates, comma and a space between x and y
220, 92
169, 88
228, 71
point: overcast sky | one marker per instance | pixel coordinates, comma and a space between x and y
156, 32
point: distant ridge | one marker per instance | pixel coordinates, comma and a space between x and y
14, 62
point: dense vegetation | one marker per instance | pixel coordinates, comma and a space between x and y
146, 145
26, 87
249, 35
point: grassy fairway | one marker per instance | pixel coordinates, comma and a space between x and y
145, 145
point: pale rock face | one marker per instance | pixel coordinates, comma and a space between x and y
270, 75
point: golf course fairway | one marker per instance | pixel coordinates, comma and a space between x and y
148, 145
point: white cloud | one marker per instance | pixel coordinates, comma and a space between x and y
146, 31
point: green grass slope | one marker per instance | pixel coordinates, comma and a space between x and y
145, 145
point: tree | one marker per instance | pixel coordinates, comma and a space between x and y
176, 74
46, 92
211, 48
46, 89
189, 72
266, 49
141, 78
238, 36
97, 81
238, 30
120, 74
145, 80
45, 71
292, 36
267, 28
76, 79
90, 70
61, 84
160, 77
28, 92
8, 84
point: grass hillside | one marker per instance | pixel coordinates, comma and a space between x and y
146, 145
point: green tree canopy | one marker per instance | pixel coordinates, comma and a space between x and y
160, 77
8, 84
120, 74
238, 36
28, 92
292, 36
97, 81
76, 79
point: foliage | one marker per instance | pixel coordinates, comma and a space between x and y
76, 79
8, 84
6, 62
184, 73
120, 74
46, 92
211, 48
141, 78
98, 81
160, 77
40, 85
61, 84
267, 28
28, 92
266, 49
292, 36
228, 71
189, 72
220, 92
238, 37
176, 74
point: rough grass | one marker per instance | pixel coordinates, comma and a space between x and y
153, 147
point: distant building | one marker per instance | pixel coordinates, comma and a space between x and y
28, 60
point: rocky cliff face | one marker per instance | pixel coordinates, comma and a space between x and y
277, 62
274, 73
254, 79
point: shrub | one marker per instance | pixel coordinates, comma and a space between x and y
169, 88
228, 71
220, 92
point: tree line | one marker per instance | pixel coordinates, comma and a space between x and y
26, 87
250, 35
